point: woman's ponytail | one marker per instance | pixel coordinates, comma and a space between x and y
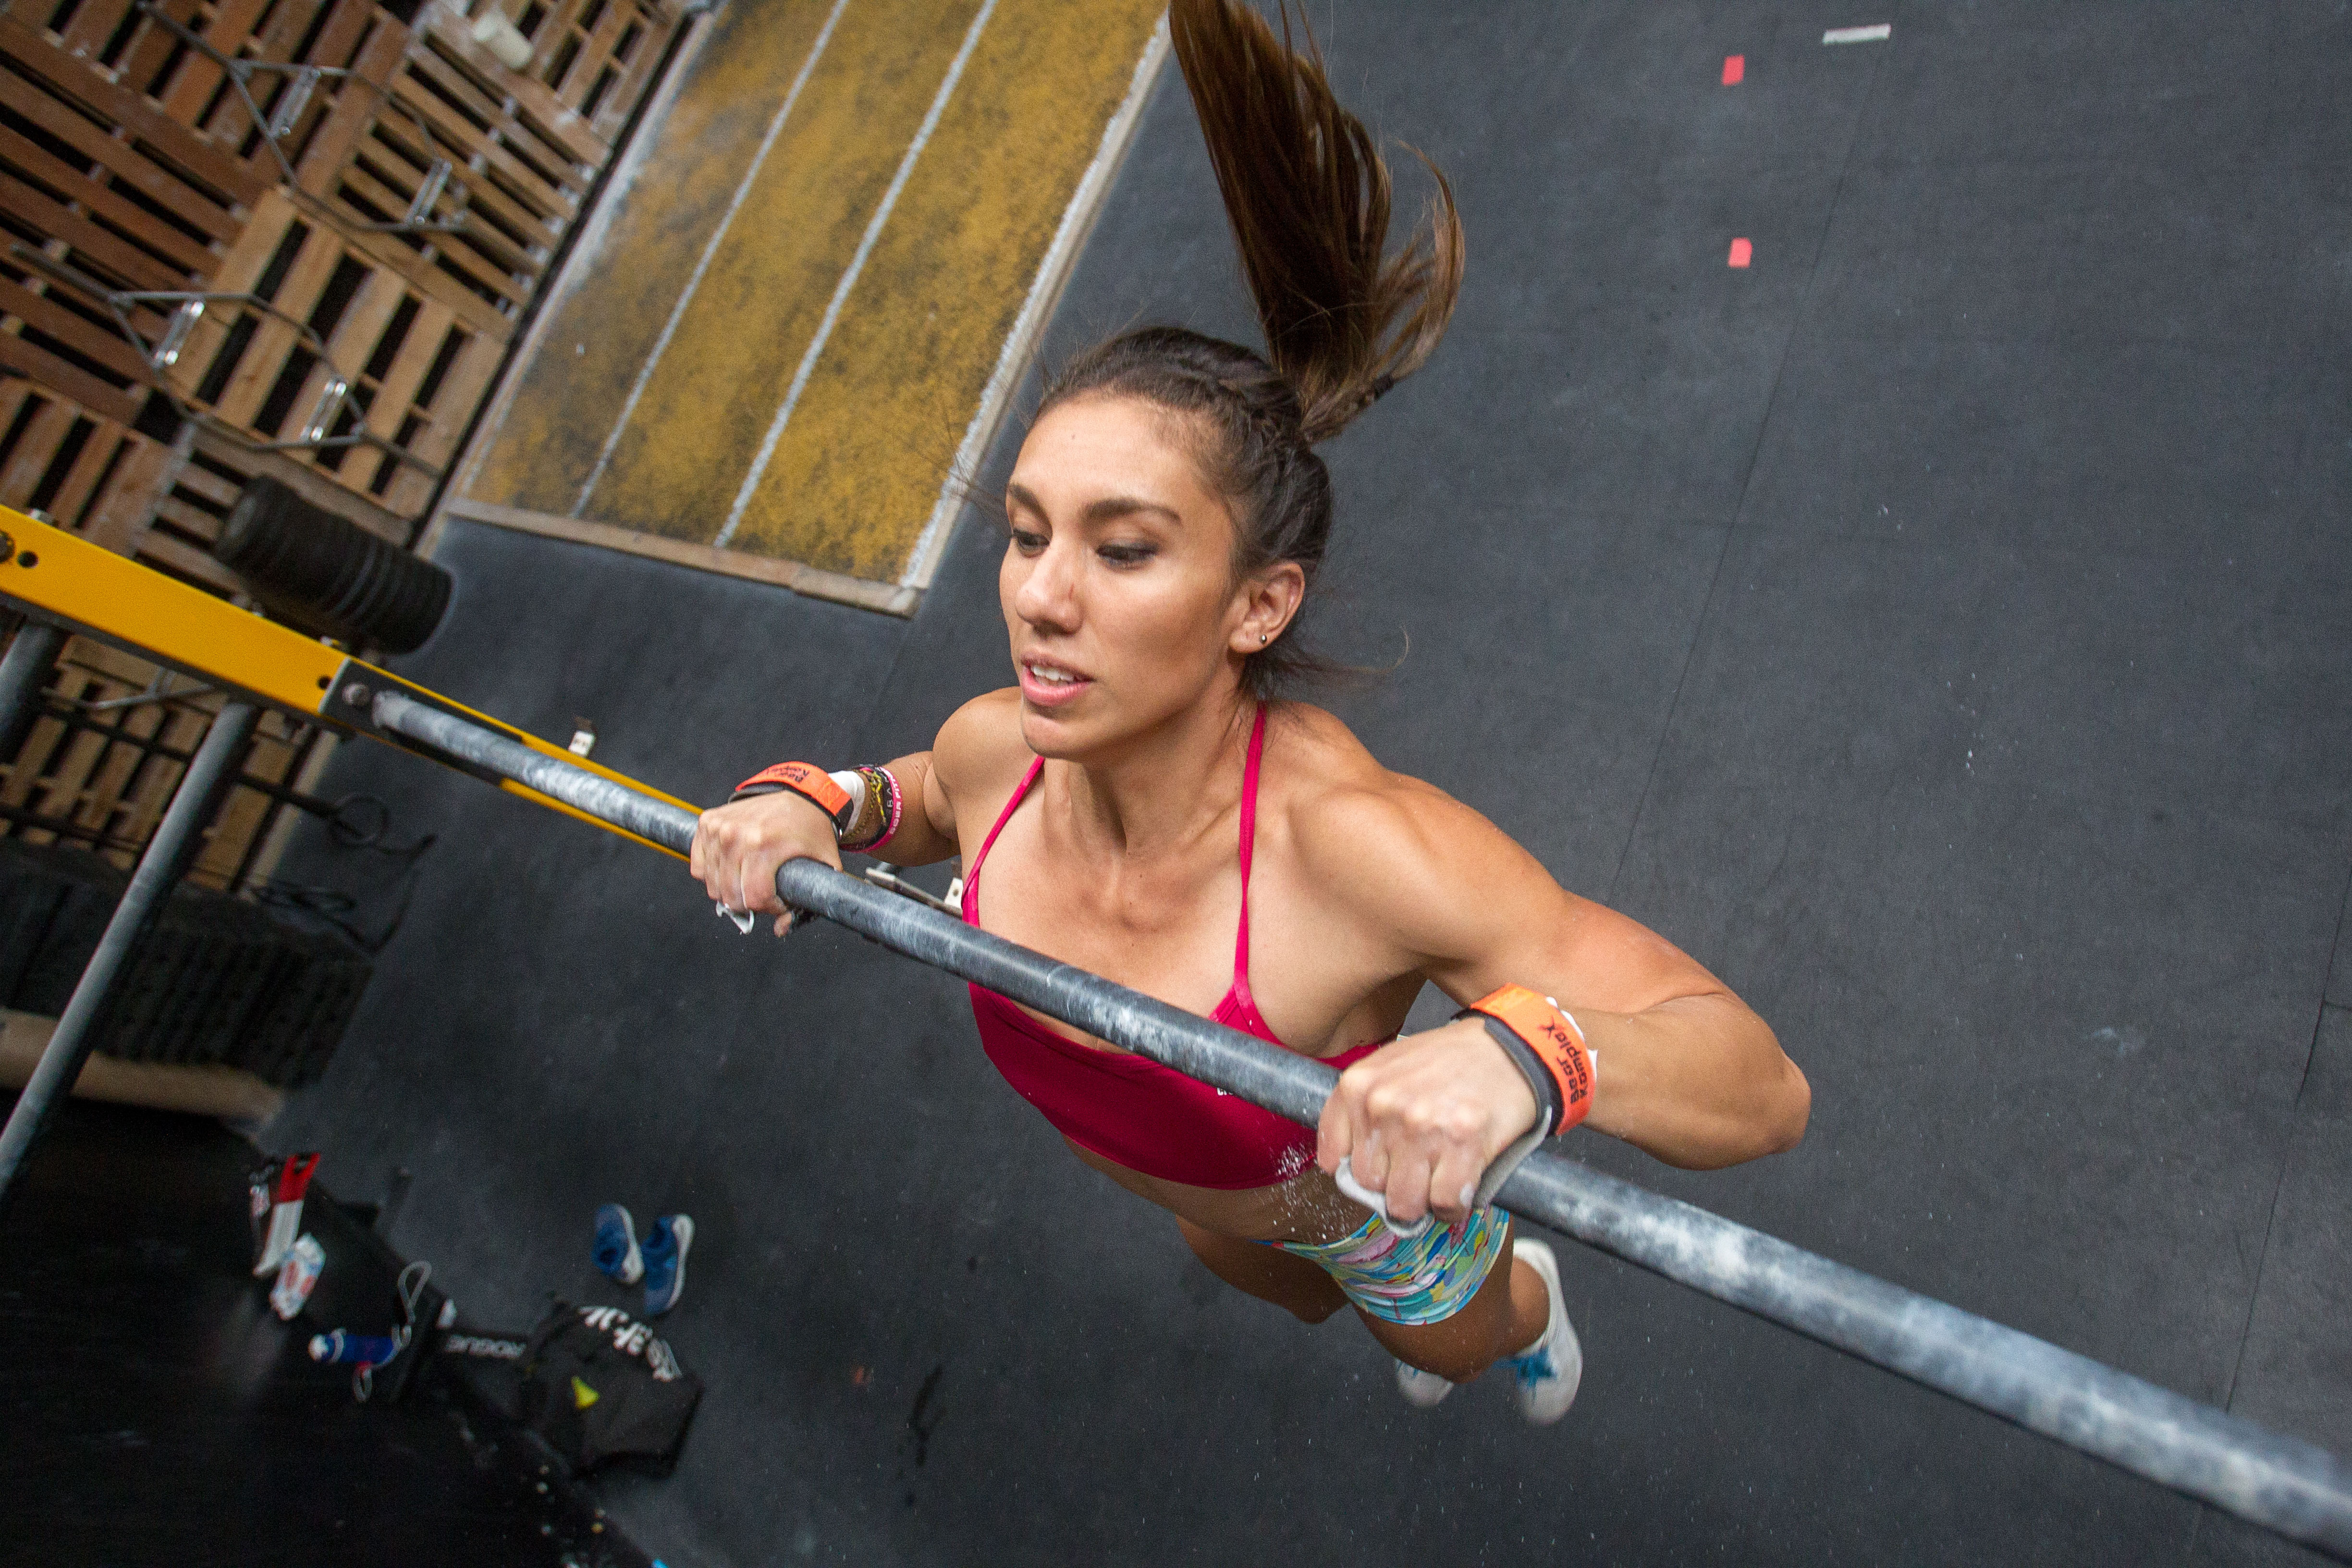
1308, 194
1308, 197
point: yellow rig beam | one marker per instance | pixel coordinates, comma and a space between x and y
60, 577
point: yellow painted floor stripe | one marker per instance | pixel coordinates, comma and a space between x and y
572, 391
677, 466
854, 475
873, 227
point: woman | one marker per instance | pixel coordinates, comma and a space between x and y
1146, 804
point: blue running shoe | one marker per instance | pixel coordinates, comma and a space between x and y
665, 1262
1547, 1371
617, 1244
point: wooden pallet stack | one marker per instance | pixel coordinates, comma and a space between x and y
355, 343
366, 198
100, 763
527, 144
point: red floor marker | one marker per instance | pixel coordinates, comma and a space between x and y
1741, 251
1735, 69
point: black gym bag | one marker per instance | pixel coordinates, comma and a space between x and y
597, 1385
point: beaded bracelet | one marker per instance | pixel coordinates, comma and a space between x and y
883, 803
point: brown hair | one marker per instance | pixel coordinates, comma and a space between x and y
1308, 194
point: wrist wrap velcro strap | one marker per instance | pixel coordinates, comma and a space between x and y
1516, 1016
809, 781
1541, 1083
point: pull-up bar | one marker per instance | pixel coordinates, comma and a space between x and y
2286, 1486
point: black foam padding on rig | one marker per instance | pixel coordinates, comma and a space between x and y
327, 575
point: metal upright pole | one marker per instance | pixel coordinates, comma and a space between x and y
30, 654
166, 859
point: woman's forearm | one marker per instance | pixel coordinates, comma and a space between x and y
1699, 1082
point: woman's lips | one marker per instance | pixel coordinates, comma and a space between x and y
1050, 693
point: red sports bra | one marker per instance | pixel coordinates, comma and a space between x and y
1130, 1110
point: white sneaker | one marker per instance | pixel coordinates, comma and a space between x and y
1548, 1371
1421, 1389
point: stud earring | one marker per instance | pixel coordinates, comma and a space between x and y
1262, 639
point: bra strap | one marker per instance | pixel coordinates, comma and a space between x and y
972, 878
1249, 843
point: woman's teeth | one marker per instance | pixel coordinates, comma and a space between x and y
1051, 677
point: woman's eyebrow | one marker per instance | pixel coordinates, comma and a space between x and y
1103, 510
1111, 507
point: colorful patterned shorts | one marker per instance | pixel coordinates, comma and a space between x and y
1424, 1280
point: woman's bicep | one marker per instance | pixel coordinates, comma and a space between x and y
933, 783
918, 839
939, 810
1692, 1075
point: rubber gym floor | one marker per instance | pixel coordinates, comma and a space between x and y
1938, 626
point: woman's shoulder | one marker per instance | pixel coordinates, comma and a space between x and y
1393, 850
979, 747
1355, 821
1336, 793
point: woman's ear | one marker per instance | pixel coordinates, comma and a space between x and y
1268, 602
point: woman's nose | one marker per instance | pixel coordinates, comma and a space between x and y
1048, 595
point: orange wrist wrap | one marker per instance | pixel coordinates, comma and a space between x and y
808, 781
1556, 1041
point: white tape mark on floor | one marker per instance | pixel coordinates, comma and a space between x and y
1859, 35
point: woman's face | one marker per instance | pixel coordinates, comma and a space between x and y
1117, 582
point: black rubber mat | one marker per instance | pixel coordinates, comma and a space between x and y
1936, 626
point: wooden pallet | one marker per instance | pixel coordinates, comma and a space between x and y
125, 158
417, 353
101, 789
523, 148
416, 358
95, 178
85, 471
129, 162
135, 195
136, 50
595, 57
516, 180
